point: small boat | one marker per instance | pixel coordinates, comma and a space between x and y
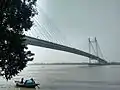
19, 84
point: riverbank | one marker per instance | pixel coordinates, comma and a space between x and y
110, 63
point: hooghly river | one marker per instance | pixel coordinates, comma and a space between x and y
68, 77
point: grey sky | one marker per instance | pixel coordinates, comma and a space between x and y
79, 19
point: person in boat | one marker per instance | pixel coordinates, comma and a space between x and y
21, 80
29, 82
32, 80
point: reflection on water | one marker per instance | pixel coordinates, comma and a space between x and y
68, 77
17, 88
25, 89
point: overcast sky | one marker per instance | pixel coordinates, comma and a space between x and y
77, 20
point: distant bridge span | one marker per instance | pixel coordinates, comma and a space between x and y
51, 45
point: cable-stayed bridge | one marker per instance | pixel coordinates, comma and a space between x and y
45, 34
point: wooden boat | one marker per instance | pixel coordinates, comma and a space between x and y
19, 84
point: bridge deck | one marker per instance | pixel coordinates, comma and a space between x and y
51, 45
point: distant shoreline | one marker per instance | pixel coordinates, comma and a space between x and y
111, 63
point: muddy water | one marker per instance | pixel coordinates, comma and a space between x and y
68, 77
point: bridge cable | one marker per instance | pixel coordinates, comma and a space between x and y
41, 26
49, 24
100, 51
48, 19
92, 47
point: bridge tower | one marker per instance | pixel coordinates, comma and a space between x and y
94, 47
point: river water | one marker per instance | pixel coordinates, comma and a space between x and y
68, 77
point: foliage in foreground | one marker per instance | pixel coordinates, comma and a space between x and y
15, 18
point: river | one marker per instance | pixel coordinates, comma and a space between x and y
68, 77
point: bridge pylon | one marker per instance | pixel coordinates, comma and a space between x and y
94, 47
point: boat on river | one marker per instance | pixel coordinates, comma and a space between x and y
19, 84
